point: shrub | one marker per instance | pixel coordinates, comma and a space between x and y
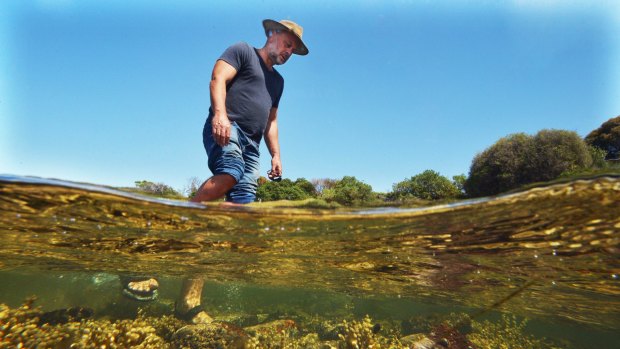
283, 190
499, 167
520, 159
606, 137
554, 152
306, 186
158, 189
349, 191
459, 183
321, 184
428, 185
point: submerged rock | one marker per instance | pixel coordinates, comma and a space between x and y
62, 316
211, 335
418, 341
272, 327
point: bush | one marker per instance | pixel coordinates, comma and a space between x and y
499, 167
428, 185
606, 137
306, 186
349, 192
459, 183
520, 159
321, 184
158, 189
554, 152
283, 190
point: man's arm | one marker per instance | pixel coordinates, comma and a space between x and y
222, 74
271, 139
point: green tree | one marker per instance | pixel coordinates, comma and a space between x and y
500, 167
158, 189
321, 184
459, 183
349, 191
283, 190
554, 152
598, 157
306, 186
428, 185
607, 136
520, 159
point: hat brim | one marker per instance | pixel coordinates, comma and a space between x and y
269, 24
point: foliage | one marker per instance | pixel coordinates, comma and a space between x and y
328, 193
349, 192
157, 189
321, 184
598, 157
363, 335
283, 190
498, 168
459, 183
507, 334
428, 185
555, 152
193, 184
306, 186
607, 136
520, 159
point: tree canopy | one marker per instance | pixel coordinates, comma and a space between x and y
283, 190
428, 185
607, 136
349, 191
520, 159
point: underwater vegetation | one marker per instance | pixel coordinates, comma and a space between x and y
506, 334
29, 327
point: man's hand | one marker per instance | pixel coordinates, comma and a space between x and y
223, 73
276, 168
220, 128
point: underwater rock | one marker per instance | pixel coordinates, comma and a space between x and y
418, 341
211, 335
273, 326
62, 316
242, 320
447, 336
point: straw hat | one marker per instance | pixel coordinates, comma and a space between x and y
290, 27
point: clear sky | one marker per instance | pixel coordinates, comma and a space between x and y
110, 92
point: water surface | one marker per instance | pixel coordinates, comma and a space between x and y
557, 246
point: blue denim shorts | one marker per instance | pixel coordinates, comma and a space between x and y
239, 159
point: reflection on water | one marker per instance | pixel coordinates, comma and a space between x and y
564, 239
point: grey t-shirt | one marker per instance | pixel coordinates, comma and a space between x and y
253, 92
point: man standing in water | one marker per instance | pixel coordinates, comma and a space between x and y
245, 92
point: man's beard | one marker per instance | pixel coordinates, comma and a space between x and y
277, 59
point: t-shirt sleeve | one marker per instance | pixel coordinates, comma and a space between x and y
237, 55
277, 101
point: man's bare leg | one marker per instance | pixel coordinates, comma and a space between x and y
191, 293
212, 189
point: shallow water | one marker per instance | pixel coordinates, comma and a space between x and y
555, 249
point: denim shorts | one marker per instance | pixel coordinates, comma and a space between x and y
239, 159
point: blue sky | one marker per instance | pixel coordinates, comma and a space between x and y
110, 92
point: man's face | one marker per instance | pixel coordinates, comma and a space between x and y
281, 46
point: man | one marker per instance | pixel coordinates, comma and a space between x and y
245, 92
